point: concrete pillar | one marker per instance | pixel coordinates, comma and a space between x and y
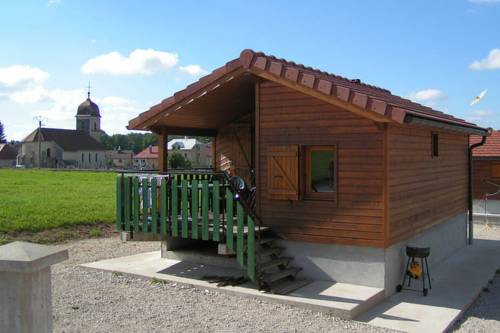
25, 286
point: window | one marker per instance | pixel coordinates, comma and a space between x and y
435, 144
96, 157
89, 157
83, 158
320, 173
48, 152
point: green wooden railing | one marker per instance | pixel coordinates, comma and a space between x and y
194, 206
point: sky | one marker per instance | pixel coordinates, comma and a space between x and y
136, 53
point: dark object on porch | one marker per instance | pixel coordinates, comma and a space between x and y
414, 270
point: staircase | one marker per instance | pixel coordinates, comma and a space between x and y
274, 272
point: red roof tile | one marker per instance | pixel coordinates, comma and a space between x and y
149, 152
361, 95
491, 148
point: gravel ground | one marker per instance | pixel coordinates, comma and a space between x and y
92, 301
484, 313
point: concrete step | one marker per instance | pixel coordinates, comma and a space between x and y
282, 261
286, 287
276, 250
288, 272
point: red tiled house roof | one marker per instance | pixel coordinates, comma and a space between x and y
490, 149
149, 152
364, 99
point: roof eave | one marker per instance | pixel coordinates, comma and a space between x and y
421, 120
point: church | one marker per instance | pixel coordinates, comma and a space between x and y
65, 148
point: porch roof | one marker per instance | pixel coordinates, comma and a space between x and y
227, 93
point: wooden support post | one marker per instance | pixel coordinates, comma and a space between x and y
163, 151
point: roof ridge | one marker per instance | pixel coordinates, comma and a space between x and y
317, 70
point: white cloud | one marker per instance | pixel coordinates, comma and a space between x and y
426, 95
492, 61
21, 74
63, 104
54, 2
139, 61
28, 96
193, 70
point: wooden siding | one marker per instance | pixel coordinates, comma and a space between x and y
484, 171
288, 117
424, 190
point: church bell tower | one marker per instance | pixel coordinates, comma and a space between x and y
88, 118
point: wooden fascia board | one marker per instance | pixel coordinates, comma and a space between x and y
151, 121
326, 98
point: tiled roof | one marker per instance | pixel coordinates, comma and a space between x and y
491, 148
363, 96
70, 140
149, 152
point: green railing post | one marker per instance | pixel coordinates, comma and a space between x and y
145, 205
154, 206
204, 210
126, 194
240, 229
251, 248
175, 208
194, 209
119, 203
163, 206
229, 220
136, 204
216, 210
184, 208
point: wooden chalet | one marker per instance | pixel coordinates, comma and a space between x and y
344, 174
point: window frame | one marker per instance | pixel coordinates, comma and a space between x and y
434, 144
308, 194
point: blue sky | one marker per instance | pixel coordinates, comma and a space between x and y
135, 53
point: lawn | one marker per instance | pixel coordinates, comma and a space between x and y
35, 200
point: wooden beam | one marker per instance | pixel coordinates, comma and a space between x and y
326, 98
185, 131
163, 151
257, 147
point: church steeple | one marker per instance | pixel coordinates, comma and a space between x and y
88, 117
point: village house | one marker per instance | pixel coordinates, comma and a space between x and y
120, 159
197, 153
486, 178
314, 176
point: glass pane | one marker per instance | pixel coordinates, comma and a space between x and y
322, 171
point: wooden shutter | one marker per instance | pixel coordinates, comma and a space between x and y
283, 172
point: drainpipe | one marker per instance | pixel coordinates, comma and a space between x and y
469, 189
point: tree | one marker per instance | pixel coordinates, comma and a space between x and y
3, 139
177, 161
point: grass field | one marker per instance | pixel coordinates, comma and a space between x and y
35, 200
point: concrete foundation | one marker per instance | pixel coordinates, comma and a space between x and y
375, 267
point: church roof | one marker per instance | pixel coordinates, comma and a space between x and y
88, 108
70, 140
